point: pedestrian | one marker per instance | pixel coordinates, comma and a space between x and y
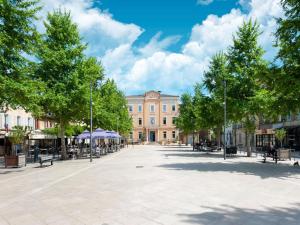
36, 153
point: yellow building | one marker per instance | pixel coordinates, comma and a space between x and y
153, 116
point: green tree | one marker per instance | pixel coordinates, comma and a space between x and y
246, 67
210, 108
18, 39
18, 135
70, 130
208, 113
65, 72
286, 80
111, 111
280, 135
186, 119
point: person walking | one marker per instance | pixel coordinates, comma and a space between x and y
36, 153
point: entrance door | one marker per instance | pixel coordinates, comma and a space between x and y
152, 136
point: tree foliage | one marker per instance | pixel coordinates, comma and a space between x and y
186, 119
65, 72
111, 109
18, 39
280, 135
287, 77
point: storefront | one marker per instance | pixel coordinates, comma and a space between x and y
265, 137
293, 137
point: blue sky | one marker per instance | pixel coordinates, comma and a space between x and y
164, 45
171, 17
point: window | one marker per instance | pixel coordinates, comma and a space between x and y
140, 109
130, 135
140, 135
18, 121
29, 122
165, 134
173, 134
173, 120
130, 108
165, 121
152, 120
6, 121
289, 117
164, 108
140, 121
173, 108
152, 108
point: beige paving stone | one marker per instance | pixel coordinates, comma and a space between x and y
150, 185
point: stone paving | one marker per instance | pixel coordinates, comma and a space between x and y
148, 185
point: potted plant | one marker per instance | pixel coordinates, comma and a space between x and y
143, 138
16, 137
280, 135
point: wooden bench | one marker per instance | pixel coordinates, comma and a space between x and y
44, 159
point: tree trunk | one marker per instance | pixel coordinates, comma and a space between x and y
248, 145
63, 144
193, 141
219, 137
186, 139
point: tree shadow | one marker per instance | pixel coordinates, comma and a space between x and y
10, 170
177, 146
201, 155
226, 214
175, 150
263, 170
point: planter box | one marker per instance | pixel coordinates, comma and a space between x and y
283, 154
21, 160
15, 161
11, 161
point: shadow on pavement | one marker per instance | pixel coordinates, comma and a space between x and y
10, 170
226, 215
263, 170
173, 150
202, 154
177, 146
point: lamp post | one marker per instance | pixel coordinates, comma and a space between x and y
118, 124
91, 122
225, 122
193, 121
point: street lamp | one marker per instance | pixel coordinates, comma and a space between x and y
91, 122
193, 121
118, 124
225, 122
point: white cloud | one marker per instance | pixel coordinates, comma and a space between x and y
156, 44
153, 66
204, 2
98, 28
213, 35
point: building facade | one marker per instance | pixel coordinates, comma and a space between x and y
154, 115
19, 117
265, 134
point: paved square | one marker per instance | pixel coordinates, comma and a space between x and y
148, 185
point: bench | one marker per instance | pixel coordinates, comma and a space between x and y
44, 159
231, 150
